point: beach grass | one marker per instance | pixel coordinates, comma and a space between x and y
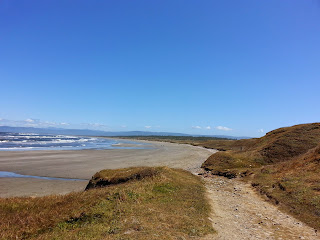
139, 203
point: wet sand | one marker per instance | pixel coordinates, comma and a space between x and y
82, 164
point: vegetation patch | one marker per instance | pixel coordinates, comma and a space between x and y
228, 164
169, 204
276, 146
116, 176
176, 139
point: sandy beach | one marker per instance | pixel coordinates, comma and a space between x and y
82, 164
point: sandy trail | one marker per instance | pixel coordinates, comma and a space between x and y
240, 213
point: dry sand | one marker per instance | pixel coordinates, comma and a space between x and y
82, 164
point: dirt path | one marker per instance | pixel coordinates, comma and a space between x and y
240, 213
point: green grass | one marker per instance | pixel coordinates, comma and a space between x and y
170, 204
116, 176
197, 141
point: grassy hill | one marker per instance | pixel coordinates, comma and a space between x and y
276, 146
284, 165
132, 203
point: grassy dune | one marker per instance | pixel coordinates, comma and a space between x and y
276, 146
138, 203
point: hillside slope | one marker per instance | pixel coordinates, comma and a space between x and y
276, 146
284, 165
296, 184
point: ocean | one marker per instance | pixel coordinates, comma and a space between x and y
32, 141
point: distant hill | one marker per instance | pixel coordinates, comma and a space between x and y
84, 132
88, 132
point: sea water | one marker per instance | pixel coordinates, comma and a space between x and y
4, 174
32, 141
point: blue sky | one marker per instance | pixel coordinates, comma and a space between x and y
239, 68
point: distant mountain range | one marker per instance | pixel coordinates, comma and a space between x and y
88, 132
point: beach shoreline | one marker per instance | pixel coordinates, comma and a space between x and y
83, 164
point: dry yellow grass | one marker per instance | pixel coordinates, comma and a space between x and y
294, 184
276, 146
283, 165
167, 205
115, 176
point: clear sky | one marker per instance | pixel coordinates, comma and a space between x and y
239, 68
